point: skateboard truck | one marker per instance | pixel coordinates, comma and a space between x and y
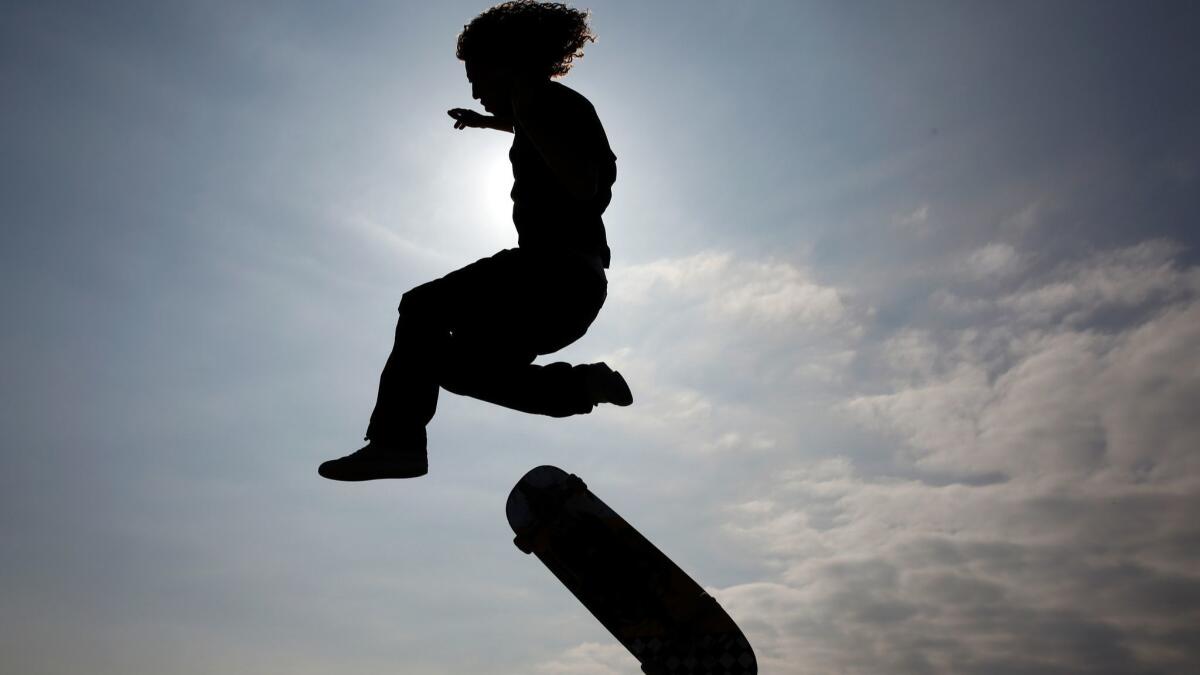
533, 539
529, 541
523, 543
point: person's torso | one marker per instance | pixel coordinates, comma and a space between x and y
544, 211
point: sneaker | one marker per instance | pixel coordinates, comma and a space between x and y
607, 386
376, 460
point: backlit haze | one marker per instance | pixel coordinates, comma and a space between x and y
907, 294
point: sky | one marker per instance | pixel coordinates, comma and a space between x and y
908, 295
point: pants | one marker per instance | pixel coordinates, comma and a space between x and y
476, 331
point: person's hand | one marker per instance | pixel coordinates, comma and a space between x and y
464, 118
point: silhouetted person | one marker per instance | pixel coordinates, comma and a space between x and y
477, 330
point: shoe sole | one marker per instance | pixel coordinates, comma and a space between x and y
389, 473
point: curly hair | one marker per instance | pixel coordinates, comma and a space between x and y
538, 37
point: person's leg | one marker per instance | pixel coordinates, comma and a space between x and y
476, 332
408, 389
408, 385
551, 304
429, 315
556, 389
405, 403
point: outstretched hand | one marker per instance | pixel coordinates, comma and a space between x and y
464, 118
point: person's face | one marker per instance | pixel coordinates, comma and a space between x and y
490, 86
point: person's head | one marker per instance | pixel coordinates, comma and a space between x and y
520, 39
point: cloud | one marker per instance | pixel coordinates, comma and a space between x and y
1037, 516
1049, 395
729, 288
590, 658
1144, 275
723, 330
913, 578
993, 260
916, 221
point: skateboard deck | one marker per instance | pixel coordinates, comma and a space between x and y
663, 617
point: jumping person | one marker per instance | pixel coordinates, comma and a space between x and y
476, 331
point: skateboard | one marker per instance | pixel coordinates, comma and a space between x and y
663, 617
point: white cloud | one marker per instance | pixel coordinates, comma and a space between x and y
731, 288
1054, 401
1115, 280
915, 221
1039, 512
590, 658
723, 332
1025, 219
992, 260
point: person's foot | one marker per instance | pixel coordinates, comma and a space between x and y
607, 386
377, 460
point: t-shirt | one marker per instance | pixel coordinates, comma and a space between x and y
547, 216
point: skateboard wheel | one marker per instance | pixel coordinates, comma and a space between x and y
523, 544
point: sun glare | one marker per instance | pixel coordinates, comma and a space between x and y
491, 204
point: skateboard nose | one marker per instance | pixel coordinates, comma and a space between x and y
518, 511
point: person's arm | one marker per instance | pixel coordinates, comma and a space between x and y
560, 139
464, 118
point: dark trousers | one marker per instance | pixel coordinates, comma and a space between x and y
476, 331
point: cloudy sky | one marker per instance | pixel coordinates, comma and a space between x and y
908, 294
